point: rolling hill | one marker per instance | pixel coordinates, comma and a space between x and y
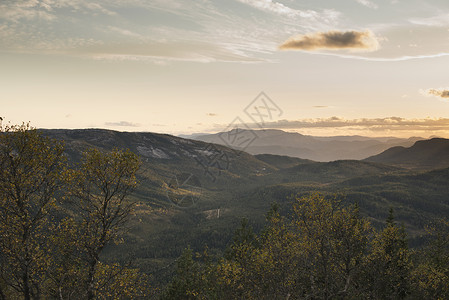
427, 154
193, 193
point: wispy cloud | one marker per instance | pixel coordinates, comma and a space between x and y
124, 32
368, 3
327, 16
333, 40
15, 11
276, 7
48, 10
211, 114
439, 93
122, 124
160, 52
387, 59
434, 21
166, 31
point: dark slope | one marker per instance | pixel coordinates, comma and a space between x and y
282, 161
330, 172
428, 154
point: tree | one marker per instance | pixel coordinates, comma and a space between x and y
334, 240
49, 248
30, 175
100, 189
187, 280
195, 278
431, 276
316, 253
388, 268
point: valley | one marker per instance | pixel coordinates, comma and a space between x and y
194, 194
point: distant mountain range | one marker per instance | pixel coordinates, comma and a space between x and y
279, 142
427, 154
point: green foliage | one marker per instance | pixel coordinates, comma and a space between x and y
55, 221
335, 241
113, 281
243, 237
193, 280
30, 176
431, 277
317, 252
324, 250
389, 267
100, 189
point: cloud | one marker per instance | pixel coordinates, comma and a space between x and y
95, 7
14, 11
169, 31
48, 10
320, 106
117, 30
439, 93
375, 124
434, 21
211, 114
274, 7
122, 124
326, 16
368, 3
167, 51
388, 59
124, 32
333, 40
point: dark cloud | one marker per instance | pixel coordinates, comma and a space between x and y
122, 124
440, 93
333, 40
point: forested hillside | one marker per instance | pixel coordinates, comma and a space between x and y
169, 194
428, 154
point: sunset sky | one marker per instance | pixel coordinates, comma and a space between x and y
366, 67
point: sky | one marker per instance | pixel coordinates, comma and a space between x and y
318, 67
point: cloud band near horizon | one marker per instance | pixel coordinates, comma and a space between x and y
374, 124
122, 124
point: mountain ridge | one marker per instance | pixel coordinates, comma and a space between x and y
278, 142
426, 154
